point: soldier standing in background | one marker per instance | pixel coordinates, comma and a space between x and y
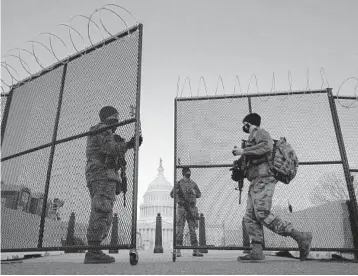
103, 180
187, 191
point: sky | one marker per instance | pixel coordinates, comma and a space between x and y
210, 39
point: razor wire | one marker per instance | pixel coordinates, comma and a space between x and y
237, 90
95, 19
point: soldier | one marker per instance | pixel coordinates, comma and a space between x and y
103, 180
187, 191
258, 155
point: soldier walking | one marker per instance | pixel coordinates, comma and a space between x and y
258, 154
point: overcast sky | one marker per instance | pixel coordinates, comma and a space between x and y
209, 39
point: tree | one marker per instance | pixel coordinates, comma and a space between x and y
332, 187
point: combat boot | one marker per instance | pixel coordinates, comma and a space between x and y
196, 253
96, 256
304, 240
178, 253
255, 256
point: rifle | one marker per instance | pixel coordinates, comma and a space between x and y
239, 170
187, 208
124, 184
120, 163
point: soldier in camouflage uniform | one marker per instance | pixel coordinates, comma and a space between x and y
103, 182
186, 191
258, 154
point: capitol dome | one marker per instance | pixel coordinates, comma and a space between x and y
157, 200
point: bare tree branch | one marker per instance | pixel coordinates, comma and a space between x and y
331, 187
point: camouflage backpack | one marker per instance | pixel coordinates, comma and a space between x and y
284, 163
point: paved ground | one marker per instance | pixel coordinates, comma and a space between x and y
214, 262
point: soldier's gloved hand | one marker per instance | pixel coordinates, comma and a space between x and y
118, 188
131, 143
140, 140
237, 151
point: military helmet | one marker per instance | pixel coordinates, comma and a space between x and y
185, 169
253, 118
106, 112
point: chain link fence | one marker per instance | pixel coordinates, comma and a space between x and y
206, 130
44, 132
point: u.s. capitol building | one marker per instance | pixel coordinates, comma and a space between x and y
156, 200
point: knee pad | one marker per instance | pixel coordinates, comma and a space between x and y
102, 204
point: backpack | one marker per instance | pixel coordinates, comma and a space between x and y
284, 163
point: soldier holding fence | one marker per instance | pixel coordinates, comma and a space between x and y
258, 155
103, 151
187, 191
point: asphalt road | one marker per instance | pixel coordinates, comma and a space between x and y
215, 262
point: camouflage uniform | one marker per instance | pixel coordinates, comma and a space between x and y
186, 197
103, 155
262, 187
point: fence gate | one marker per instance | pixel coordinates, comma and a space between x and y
323, 194
46, 120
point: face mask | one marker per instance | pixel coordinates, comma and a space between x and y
187, 175
111, 122
246, 128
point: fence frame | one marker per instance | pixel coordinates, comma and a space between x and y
352, 202
55, 142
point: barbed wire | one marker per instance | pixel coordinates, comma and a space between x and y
324, 78
353, 103
344, 101
205, 87
95, 19
220, 80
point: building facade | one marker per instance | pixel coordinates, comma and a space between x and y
156, 200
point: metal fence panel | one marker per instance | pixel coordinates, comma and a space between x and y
305, 120
3, 104
107, 74
347, 110
22, 188
31, 117
208, 128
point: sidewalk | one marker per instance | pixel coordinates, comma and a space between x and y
214, 262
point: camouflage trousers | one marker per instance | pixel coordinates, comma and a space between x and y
181, 217
258, 214
103, 196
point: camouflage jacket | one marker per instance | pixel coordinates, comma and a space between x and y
104, 155
258, 154
186, 191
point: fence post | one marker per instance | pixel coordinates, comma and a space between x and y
70, 238
202, 234
158, 235
114, 236
51, 157
354, 226
6, 113
345, 164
